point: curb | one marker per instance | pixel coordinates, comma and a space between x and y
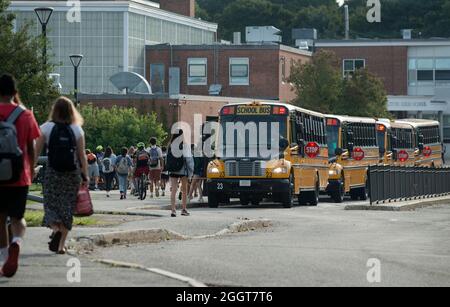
402, 206
87, 244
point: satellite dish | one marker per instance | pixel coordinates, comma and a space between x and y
129, 81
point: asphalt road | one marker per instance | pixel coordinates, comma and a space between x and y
323, 246
306, 246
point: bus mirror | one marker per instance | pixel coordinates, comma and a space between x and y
394, 154
339, 152
351, 146
421, 137
284, 144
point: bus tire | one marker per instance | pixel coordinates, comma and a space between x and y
354, 194
314, 196
364, 192
245, 201
256, 202
213, 201
339, 195
303, 198
288, 198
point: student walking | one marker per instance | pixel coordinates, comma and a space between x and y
19, 130
199, 174
93, 169
123, 168
65, 141
180, 166
164, 172
108, 169
156, 164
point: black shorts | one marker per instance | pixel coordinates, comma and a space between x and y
13, 201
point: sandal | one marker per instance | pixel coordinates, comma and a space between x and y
62, 252
53, 245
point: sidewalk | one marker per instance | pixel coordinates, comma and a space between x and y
132, 206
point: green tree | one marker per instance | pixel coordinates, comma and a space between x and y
318, 84
119, 127
363, 94
321, 87
21, 56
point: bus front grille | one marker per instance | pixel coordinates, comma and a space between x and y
244, 169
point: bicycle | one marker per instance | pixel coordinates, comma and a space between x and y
142, 187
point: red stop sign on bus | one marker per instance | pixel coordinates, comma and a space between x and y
358, 154
427, 151
312, 149
403, 156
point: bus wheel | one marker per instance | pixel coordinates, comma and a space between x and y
213, 201
314, 196
338, 196
288, 198
364, 192
245, 201
354, 194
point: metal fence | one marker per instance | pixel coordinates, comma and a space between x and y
392, 183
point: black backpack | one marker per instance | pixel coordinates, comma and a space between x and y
173, 164
11, 156
62, 149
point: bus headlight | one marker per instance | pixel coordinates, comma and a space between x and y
214, 170
333, 172
280, 170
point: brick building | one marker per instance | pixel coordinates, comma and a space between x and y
256, 71
416, 73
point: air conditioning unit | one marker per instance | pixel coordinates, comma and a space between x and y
266, 34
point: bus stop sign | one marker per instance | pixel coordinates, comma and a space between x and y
358, 154
403, 156
312, 149
427, 151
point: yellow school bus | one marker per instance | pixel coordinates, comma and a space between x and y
353, 146
296, 167
428, 140
397, 143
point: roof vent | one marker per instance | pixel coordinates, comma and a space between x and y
407, 33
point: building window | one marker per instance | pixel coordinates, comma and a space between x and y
239, 71
350, 66
426, 71
197, 71
443, 70
157, 73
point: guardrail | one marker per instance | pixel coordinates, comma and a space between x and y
392, 183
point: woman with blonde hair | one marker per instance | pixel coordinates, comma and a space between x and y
67, 164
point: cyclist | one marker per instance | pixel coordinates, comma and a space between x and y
142, 162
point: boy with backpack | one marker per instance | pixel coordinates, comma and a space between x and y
18, 131
156, 164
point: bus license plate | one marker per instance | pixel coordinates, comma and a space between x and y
245, 183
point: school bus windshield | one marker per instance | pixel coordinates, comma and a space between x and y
252, 136
333, 139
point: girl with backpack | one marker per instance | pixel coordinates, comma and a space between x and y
180, 165
123, 168
67, 169
109, 170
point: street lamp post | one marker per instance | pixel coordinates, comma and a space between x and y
44, 14
76, 61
